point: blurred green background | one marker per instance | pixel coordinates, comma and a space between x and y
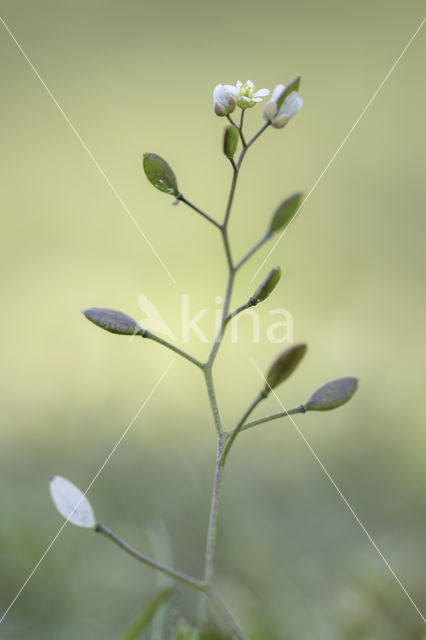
137, 76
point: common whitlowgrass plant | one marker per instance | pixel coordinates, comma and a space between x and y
283, 104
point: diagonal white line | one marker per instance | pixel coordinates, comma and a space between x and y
345, 139
89, 153
342, 497
96, 476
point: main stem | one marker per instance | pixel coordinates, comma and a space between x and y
224, 441
213, 518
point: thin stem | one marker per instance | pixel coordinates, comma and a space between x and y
253, 250
168, 345
212, 398
256, 135
273, 416
243, 140
226, 303
233, 434
232, 191
227, 614
243, 307
177, 575
214, 510
223, 448
227, 247
234, 124
205, 215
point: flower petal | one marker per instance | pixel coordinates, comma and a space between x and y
261, 93
291, 105
231, 89
277, 91
270, 110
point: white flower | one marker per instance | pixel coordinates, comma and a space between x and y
247, 96
278, 112
224, 101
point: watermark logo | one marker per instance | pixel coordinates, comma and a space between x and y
275, 326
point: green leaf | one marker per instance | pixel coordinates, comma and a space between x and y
285, 212
113, 321
291, 86
266, 287
71, 503
160, 174
284, 365
230, 141
147, 613
332, 394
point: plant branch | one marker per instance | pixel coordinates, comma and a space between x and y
151, 336
227, 614
231, 435
243, 307
177, 575
273, 416
205, 215
256, 135
253, 250
240, 129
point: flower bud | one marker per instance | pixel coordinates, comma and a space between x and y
266, 287
332, 394
285, 212
230, 141
113, 321
283, 105
160, 174
284, 365
224, 101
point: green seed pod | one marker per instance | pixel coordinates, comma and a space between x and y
113, 321
160, 174
332, 394
284, 365
230, 141
285, 212
266, 287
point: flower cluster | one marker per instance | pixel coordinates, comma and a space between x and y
284, 103
227, 96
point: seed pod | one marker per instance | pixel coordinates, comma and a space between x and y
332, 394
285, 212
113, 321
266, 287
230, 141
160, 174
71, 503
284, 365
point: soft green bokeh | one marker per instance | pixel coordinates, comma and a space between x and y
137, 77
